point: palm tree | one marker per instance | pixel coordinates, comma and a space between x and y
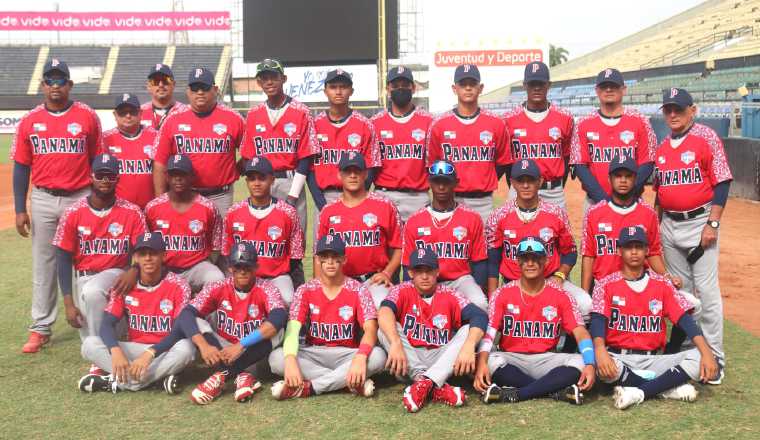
557, 55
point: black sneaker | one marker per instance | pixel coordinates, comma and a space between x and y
92, 383
171, 384
571, 394
497, 394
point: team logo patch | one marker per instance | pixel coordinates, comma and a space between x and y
196, 226
386, 134
334, 219
289, 128
423, 231
183, 127
546, 234
115, 229
508, 233
369, 219
655, 306
440, 321
618, 301
687, 157
219, 129
84, 230
449, 134
314, 309
513, 309
261, 128
131, 301
459, 233
549, 312
346, 312
226, 305
114, 149
605, 227
253, 311
661, 159
554, 133
519, 132
274, 232
626, 136
354, 139
418, 134
162, 224
74, 128
166, 306
148, 150
592, 135
39, 126
486, 137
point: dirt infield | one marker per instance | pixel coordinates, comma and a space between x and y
7, 216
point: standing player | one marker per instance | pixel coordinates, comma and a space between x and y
95, 237
692, 180
341, 332
430, 333
612, 131
369, 226
455, 232
541, 131
190, 224
339, 130
208, 133
402, 133
54, 144
150, 310
160, 86
270, 225
529, 313
132, 144
629, 328
474, 140
281, 130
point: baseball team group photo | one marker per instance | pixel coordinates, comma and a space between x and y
349, 219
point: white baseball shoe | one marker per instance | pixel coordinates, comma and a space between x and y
685, 393
626, 397
718, 380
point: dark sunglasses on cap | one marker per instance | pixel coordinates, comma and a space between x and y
158, 80
50, 82
105, 177
441, 168
199, 86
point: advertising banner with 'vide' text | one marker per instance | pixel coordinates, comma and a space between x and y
114, 21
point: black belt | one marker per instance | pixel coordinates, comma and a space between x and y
363, 278
631, 351
205, 192
474, 194
87, 273
680, 216
283, 174
56, 192
551, 184
403, 190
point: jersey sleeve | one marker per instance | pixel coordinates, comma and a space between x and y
599, 301
503, 153
674, 303
647, 146
478, 252
66, 234
21, 148
308, 145
578, 153
274, 297
115, 304
246, 146
163, 146
394, 227
215, 232
565, 240
181, 296
653, 235
323, 223
570, 312
396, 297
588, 244
239, 134
493, 235
95, 137
372, 147
407, 242
433, 147
227, 239
296, 240
205, 301
718, 166
567, 136
367, 309
299, 310
495, 310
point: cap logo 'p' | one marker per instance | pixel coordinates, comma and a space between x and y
255, 161
125, 97
241, 247
631, 230
535, 67
621, 159
328, 239
524, 164
158, 66
54, 62
198, 73
608, 73
177, 158
106, 158
466, 68
673, 92
147, 236
421, 253
400, 69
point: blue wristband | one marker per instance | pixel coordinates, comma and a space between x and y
586, 347
251, 338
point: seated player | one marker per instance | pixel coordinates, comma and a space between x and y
249, 314
629, 330
150, 309
529, 313
430, 332
368, 224
455, 232
270, 225
341, 332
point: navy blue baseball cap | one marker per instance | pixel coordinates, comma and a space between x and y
464, 71
243, 253
331, 243
423, 257
150, 240
610, 75
105, 162
442, 169
338, 75
180, 162
56, 65
200, 75
259, 164
632, 234
161, 69
126, 99
536, 71
623, 162
531, 245
351, 159
525, 167
399, 72
676, 96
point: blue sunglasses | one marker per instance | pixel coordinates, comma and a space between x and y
441, 168
60, 82
532, 246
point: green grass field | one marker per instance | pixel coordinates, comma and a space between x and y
5, 148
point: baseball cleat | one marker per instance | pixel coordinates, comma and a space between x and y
35, 342
368, 389
626, 397
92, 383
448, 395
416, 394
685, 393
94, 369
497, 394
280, 391
718, 380
171, 384
210, 389
571, 394
245, 386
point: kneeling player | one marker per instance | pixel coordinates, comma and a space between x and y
335, 309
430, 332
529, 313
150, 310
628, 325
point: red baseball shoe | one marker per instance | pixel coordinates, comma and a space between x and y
280, 391
35, 342
209, 390
245, 386
448, 395
417, 394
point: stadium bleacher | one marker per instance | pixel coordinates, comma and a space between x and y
14, 76
133, 66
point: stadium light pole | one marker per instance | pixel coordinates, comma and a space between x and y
382, 62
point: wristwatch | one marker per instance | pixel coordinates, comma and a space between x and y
715, 224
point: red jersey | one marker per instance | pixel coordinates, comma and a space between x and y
209, 141
337, 322
475, 147
277, 237
531, 324
135, 156
402, 150
238, 316
369, 230
151, 311
457, 241
601, 228
356, 133
290, 139
189, 236
595, 143
547, 142
58, 147
427, 322
505, 229
635, 320
149, 117
99, 242
685, 175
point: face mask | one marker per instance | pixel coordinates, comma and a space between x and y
401, 97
